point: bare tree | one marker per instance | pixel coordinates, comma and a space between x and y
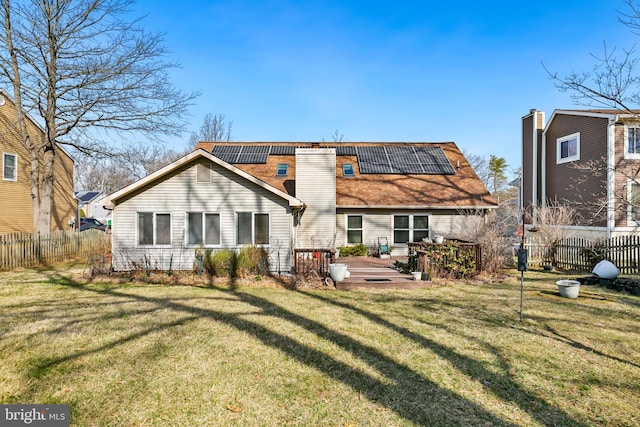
613, 82
80, 66
596, 203
480, 165
552, 224
336, 136
214, 128
109, 174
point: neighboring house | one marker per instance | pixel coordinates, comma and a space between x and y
589, 160
283, 196
16, 213
90, 204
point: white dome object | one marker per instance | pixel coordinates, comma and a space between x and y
606, 270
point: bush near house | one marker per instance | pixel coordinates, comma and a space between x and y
356, 250
250, 260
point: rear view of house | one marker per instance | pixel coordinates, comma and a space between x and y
282, 196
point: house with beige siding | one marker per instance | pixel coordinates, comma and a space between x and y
586, 159
283, 196
16, 213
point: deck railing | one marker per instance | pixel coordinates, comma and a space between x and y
310, 262
450, 258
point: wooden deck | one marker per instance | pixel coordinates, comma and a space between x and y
376, 273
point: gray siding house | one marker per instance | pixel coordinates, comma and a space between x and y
589, 160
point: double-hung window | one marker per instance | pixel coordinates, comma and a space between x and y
632, 141
9, 167
154, 228
633, 199
354, 229
568, 148
252, 228
203, 228
410, 228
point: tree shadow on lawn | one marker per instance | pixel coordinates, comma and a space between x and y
501, 385
402, 390
492, 317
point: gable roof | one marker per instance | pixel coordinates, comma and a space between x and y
112, 199
453, 185
4, 96
616, 115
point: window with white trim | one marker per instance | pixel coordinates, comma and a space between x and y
354, 229
347, 170
568, 148
410, 228
203, 228
252, 228
9, 167
632, 141
633, 200
282, 170
154, 229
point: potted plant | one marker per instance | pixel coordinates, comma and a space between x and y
568, 288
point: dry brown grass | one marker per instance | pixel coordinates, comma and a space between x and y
129, 353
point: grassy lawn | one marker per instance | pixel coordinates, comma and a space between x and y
175, 355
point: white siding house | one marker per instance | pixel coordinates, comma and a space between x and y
287, 196
159, 222
316, 185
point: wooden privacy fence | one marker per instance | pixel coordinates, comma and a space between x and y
28, 250
582, 254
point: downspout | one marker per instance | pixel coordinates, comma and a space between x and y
611, 175
543, 176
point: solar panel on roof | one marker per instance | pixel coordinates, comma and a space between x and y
345, 150
226, 153
226, 149
434, 160
403, 159
283, 150
252, 158
373, 160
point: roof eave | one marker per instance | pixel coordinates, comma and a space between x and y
112, 199
415, 207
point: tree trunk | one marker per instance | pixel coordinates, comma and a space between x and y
46, 191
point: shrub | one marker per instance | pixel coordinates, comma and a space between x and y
252, 260
220, 263
356, 250
449, 260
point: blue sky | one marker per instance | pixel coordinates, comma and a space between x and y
463, 71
